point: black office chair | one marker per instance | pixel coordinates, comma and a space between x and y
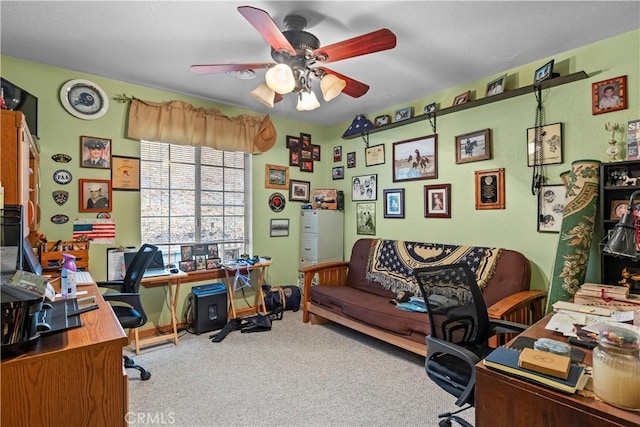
128, 306
460, 330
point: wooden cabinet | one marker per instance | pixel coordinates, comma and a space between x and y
19, 168
617, 183
321, 236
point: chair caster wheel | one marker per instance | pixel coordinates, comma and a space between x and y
145, 375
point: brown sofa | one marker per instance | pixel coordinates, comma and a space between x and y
341, 293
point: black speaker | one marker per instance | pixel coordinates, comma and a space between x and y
209, 307
340, 200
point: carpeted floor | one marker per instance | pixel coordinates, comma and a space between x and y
294, 375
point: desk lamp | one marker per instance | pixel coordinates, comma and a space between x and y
622, 240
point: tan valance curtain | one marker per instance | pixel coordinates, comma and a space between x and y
181, 123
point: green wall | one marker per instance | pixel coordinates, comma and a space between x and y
514, 227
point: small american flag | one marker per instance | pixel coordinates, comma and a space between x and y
100, 230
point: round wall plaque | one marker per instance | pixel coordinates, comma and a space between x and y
277, 202
62, 176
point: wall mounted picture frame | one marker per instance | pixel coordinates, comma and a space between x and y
551, 199
276, 177
374, 155
125, 173
337, 172
429, 109
306, 153
294, 157
490, 189
305, 140
415, 159
351, 159
496, 86
463, 98
315, 152
306, 166
609, 95
473, 146
366, 219
299, 191
293, 142
95, 195
364, 187
403, 114
394, 203
551, 145
95, 152
544, 73
437, 201
382, 120
337, 153
279, 228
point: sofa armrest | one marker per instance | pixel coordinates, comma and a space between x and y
327, 274
522, 307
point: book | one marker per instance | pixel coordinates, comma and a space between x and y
506, 360
545, 362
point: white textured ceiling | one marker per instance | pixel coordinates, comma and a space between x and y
439, 44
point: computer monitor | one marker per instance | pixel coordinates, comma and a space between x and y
30, 261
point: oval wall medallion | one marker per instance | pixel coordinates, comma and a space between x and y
60, 197
105, 215
277, 202
61, 158
59, 219
62, 176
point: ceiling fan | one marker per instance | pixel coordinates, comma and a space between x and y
299, 59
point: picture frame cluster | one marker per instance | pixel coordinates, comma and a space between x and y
302, 153
205, 256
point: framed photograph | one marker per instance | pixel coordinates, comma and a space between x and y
338, 172
306, 154
618, 208
186, 253
415, 159
96, 152
187, 266
548, 149
394, 203
366, 218
212, 251
305, 140
551, 207
125, 173
315, 152
473, 146
299, 191
294, 157
95, 195
213, 263
276, 177
337, 153
463, 98
293, 142
609, 95
363, 187
543, 73
403, 114
306, 166
490, 189
351, 159
437, 201
496, 86
429, 109
374, 155
385, 119
279, 228
325, 198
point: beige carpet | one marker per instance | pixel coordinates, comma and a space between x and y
294, 375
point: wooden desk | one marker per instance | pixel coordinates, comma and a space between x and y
70, 378
258, 303
503, 400
173, 282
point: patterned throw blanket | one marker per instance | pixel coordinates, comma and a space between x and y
391, 262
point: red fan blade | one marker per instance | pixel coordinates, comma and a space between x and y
263, 22
223, 68
353, 88
362, 45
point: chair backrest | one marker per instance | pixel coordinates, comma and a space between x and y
457, 312
135, 271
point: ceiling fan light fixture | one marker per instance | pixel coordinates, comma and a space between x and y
264, 95
280, 79
307, 101
331, 86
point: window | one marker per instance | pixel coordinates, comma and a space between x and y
194, 195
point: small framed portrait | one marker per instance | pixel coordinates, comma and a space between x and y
305, 139
212, 251
437, 201
125, 173
544, 145
293, 142
463, 98
186, 253
430, 109
394, 203
337, 172
276, 177
187, 265
96, 152
618, 208
351, 159
374, 155
201, 262
294, 157
279, 228
609, 95
496, 86
490, 189
473, 146
382, 120
337, 153
364, 187
544, 73
299, 191
415, 159
366, 219
403, 114
551, 208
315, 152
306, 166
95, 195
212, 263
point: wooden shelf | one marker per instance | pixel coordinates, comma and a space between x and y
557, 81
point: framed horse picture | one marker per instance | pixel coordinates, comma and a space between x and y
415, 159
473, 146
